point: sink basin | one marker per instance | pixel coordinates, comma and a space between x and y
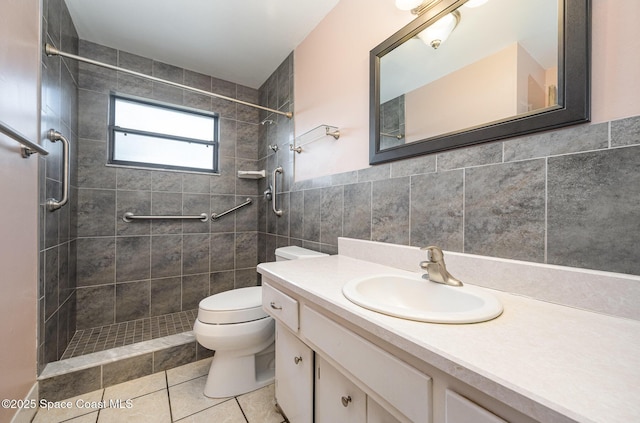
414, 298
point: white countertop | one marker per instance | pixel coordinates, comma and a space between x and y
583, 365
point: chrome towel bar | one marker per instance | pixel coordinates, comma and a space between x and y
216, 216
28, 147
277, 211
129, 217
52, 203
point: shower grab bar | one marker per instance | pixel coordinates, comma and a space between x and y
28, 147
215, 216
52, 203
275, 190
130, 217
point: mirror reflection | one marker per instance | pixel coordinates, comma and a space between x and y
476, 65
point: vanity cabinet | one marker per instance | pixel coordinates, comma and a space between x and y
494, 372
349, 384
327, 373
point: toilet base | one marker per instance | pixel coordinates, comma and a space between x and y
231, 375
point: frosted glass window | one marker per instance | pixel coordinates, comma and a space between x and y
145, 134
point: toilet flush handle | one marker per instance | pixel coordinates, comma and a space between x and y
274, 306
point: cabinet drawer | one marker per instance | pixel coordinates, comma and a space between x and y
403, 387
280, 306
460, 410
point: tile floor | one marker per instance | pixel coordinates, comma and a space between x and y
175, 395
102, 338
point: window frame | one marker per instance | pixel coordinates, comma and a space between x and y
112, 129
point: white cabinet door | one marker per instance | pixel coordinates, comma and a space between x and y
294, 376
337, 398
402, 386
461, 410
377, 414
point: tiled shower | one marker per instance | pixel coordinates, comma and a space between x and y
565, 197
129, 271
109, 281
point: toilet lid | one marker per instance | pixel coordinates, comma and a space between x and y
234, 306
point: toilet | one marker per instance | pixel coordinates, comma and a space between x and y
242, 334
294, 253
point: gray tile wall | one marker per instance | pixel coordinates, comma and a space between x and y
129, 271
568, 197
57, 243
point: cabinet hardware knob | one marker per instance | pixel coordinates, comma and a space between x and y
274, 306
346, 400
297, 359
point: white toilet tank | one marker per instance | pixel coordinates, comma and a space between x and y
293, 253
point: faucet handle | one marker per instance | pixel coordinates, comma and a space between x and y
435, 267
434, 254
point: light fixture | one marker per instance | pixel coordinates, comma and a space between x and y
438, 32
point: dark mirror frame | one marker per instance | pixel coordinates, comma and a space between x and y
574, 70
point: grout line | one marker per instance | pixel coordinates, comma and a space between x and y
464, 204
410, 207
546, 208
166, 380
241, 410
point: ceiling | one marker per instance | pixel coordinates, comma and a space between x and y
238, 41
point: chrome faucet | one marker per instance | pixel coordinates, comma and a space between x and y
436, 270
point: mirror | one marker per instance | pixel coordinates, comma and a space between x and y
501, 69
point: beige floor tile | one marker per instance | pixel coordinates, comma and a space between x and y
87, 418
76, 408
188, 371
188, 398
151, 408
259, 406
226, 412
136, 387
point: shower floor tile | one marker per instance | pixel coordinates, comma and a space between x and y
102, 338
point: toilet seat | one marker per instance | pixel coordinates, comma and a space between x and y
234, 306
